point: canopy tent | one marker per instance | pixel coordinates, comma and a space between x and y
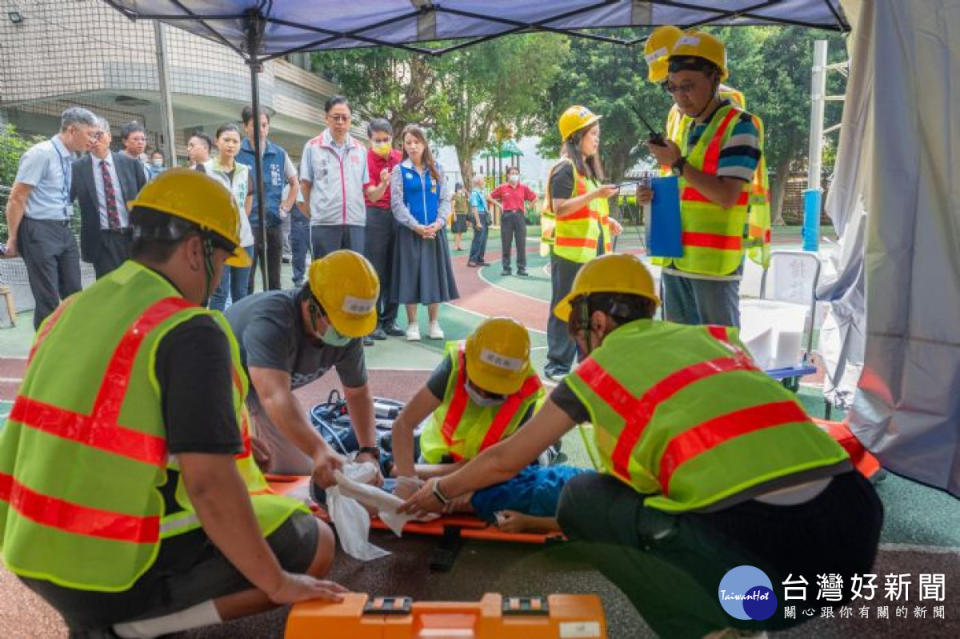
895, 175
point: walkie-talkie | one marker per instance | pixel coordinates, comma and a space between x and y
655, 137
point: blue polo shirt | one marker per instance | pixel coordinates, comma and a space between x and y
46, 167
478, 200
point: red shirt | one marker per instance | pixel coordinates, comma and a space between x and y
511, 197
375, 164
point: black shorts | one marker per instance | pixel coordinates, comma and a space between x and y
189, 570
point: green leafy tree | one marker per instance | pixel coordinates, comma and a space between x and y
12, 147
609, 79
463, 97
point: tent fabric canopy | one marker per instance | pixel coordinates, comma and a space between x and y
309, 25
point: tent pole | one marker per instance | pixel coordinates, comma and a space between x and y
812, 196
255, 25
168, 141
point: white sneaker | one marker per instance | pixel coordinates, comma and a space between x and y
435, 331
413, 332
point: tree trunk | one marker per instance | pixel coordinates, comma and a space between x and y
779, 189
465, 159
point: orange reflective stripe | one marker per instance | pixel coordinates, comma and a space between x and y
691, 194
459, 402
712, 240
586, 213
712, 157
578, 242
90, 431
509, 409
719, 333
100, 429
714, 432
759, 232
45, 329
637, 413
77, 519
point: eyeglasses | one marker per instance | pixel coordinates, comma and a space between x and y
686, 88
339, 117
94, 135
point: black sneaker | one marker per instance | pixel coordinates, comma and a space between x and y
379, 333
393, 331
368, 340
522, 273
555, 373
506, 271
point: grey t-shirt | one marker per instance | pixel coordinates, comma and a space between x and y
269, 329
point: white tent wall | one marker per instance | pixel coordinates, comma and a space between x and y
907, 167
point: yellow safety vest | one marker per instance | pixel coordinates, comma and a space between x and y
576, 235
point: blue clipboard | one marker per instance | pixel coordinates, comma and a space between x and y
664, 232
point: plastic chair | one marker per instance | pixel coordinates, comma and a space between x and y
793, 277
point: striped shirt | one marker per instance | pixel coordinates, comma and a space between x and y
740, 155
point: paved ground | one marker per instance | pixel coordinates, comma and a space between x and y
921, 532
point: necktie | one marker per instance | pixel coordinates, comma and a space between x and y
113, 215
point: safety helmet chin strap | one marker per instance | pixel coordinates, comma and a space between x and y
583, 307
208, 268
714, 96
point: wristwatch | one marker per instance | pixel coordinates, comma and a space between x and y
678, 165
370, 450
439, 495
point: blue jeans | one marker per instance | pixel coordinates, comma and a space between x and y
299, 244
691, 301
233, 284
479, 245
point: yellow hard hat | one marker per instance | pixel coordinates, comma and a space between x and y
347, 288
610, 273
657, 50
575, 118
702, 45
198, 198
498, 355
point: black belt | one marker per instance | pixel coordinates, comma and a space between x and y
514, 211
57, 222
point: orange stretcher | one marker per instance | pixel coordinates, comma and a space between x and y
360, 616
470, 527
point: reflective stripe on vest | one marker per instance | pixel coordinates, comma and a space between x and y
577, 234
506, 413
637, 412
698, 424
98, 430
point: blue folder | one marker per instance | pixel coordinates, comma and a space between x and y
664, 231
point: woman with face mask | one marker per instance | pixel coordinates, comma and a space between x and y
480, 394
420, 200
236, 177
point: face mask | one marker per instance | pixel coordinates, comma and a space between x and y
157, 164
333, 337
481, 400
382, 150
514, 179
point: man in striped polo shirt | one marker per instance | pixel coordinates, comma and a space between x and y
715, 160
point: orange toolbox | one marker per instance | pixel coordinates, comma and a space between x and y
360, 616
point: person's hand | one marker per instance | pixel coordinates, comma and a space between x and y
384, 175
423, 501
606, 191
459, 504
511, 521
405, 489
615, 227
295, 587
644, 195
11, 250
666, 154
367, 457
325, 463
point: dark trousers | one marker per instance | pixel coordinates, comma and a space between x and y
560, 348
274, 254
327, 239
379, 240
52, 258
513, 228
670, 565
688, 300
114, 251
299, 244
478, 247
